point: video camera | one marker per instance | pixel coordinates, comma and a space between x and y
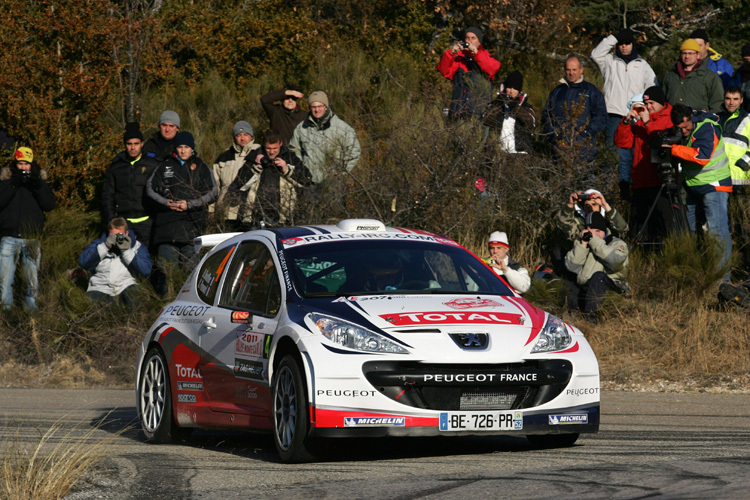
661, 156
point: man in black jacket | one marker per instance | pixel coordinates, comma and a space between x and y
124, 191
24, 197
269, 181
284, 117
161, 145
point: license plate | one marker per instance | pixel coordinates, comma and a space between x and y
481, 421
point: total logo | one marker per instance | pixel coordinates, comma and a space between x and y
187, 372
573, 418
374, 421
452, 318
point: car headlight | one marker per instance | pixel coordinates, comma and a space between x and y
354, 337
553, 337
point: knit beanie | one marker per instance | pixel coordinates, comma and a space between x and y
595, 220
690, 44
318, 96
184, 139
242, 127
625, 36
655, 93
476, 31
699, 33
169, 116
132, 131
499, 238
514, 81
24, 154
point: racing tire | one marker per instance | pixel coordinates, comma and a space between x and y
155, 401
290, 413
552, 440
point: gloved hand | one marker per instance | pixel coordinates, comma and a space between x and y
111, 241
125, 243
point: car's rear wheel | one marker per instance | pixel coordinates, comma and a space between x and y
552, 440
290, 413
155, 401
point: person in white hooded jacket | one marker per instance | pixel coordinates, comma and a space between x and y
514, 273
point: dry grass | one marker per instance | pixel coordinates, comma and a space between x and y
51, 467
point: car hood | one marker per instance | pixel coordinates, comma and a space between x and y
425, 319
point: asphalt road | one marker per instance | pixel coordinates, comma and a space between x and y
655, 445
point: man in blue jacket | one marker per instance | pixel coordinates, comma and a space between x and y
116, 258
574, 115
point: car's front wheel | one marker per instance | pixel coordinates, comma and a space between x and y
552, 440
155, 401
290, 413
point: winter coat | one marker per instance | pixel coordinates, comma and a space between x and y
124, 190
325, 145
720, 66
225, 171
158, 148
583, 131
191, 181
471, 75
517, 276
514, 119
737, 144
271, 196
701, 89
608, 255
282, 120
636, 135
23, 201
572, 221
705, 166
114, 271
622, 80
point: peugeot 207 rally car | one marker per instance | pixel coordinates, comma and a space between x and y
360, 330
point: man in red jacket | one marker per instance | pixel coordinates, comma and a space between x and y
471, 68
634, 130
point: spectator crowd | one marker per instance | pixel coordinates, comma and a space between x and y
682, 140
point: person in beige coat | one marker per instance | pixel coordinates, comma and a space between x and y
225, 170
600, 263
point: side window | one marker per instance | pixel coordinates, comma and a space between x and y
210, 274
252, 282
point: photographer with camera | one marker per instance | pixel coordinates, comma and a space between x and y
115, 258
24, 197
705, 173
643, 121
512, 116
471, 68
268, 182
514, 273
599, 262
571, 218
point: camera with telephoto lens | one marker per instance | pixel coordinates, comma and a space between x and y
25, 176
120, 238
586, 236
464, 45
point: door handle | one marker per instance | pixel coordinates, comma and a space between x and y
209, 324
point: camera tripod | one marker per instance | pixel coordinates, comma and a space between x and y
678, 223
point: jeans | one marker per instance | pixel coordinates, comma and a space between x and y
626, 155
31, 255
712, 206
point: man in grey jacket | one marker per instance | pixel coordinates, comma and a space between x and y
116, 258
600, 263
324, 142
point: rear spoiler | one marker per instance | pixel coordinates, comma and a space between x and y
208, 241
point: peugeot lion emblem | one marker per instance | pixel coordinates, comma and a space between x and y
470, 340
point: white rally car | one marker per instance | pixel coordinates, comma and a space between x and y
360, 330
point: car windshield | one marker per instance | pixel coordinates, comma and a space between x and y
369, 267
